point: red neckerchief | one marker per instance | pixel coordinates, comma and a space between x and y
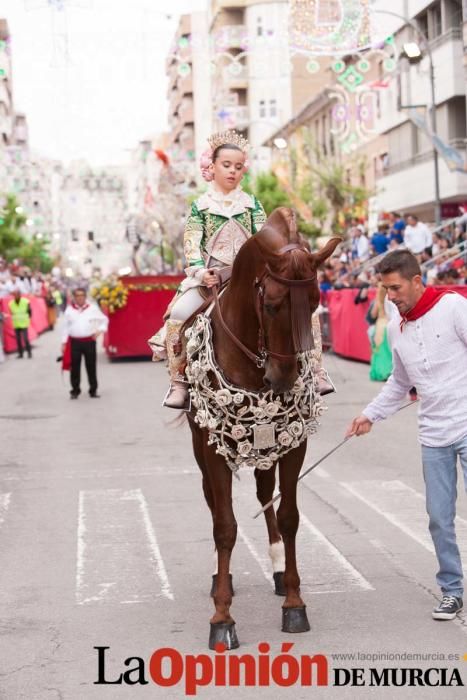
80, 308
429, 298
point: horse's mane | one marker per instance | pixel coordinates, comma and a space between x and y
279, 230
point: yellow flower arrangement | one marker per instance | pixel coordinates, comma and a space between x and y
112, 294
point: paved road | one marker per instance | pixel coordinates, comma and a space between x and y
105, 541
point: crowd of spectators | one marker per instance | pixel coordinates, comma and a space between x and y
15, 277
20, 278
442, 254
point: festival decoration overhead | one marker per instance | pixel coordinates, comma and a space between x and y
329, 27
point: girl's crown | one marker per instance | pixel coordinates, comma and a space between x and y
231, 136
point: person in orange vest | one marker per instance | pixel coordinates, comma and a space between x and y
20, 310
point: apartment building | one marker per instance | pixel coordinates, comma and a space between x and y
6, 88
93, 215
407, 180
252, 77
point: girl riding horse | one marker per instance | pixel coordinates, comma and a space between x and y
221, 220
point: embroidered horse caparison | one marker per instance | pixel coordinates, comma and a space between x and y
250, 429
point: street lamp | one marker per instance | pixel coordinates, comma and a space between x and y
280, 143
412, 50
414, 54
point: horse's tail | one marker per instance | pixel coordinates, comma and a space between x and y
178, 421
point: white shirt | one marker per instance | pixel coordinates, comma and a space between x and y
430, 354
363, 247
81, 323
418, 237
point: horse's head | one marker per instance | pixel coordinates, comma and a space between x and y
287, 293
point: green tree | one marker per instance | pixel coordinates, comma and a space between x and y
15, 244
268, 190
11, 225
34, 254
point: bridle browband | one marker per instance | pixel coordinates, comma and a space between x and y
294, 286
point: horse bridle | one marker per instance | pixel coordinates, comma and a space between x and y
263, 352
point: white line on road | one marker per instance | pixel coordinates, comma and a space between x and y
4, 505
348, 572
117, 549
264, 563
404, 507
389, 499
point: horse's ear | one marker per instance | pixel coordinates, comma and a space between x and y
326, 251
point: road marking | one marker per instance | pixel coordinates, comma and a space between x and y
4, 505
329, 560
118, 556
264, 562
322, 567
404, 507
322, 473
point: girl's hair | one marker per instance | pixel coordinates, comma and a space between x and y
230, 146
208, 158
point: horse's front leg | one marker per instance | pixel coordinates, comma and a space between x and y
225, 534
294, 617
265, 482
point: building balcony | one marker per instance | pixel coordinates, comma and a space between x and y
186, 111
396, 191
233, 117
235, 76
231, 36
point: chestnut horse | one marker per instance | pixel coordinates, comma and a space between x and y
278, 256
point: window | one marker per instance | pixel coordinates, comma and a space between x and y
74, 234
262, 109
273, 108
430, 21
436, 22
259, 26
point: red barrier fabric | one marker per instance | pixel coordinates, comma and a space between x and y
130, 328
348, 324
39, 322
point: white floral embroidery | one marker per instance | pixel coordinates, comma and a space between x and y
238, 431
244, 448
223, 397
295, 428
231, 414
285, 438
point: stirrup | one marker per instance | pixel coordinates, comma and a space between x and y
186, 406
325, 383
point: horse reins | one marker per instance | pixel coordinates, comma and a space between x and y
263, 352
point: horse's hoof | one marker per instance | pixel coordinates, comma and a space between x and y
223, 633
295, 620
214, 586
279, 587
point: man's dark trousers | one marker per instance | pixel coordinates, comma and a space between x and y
22, 335
78, 349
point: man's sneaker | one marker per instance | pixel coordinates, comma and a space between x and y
448, 608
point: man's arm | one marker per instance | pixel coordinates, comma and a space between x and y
386, 403
103, 322
66, 327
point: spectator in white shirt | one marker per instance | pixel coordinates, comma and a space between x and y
84, 323
417, 235
429, 350
360, 244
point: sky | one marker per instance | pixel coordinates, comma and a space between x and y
91, 78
